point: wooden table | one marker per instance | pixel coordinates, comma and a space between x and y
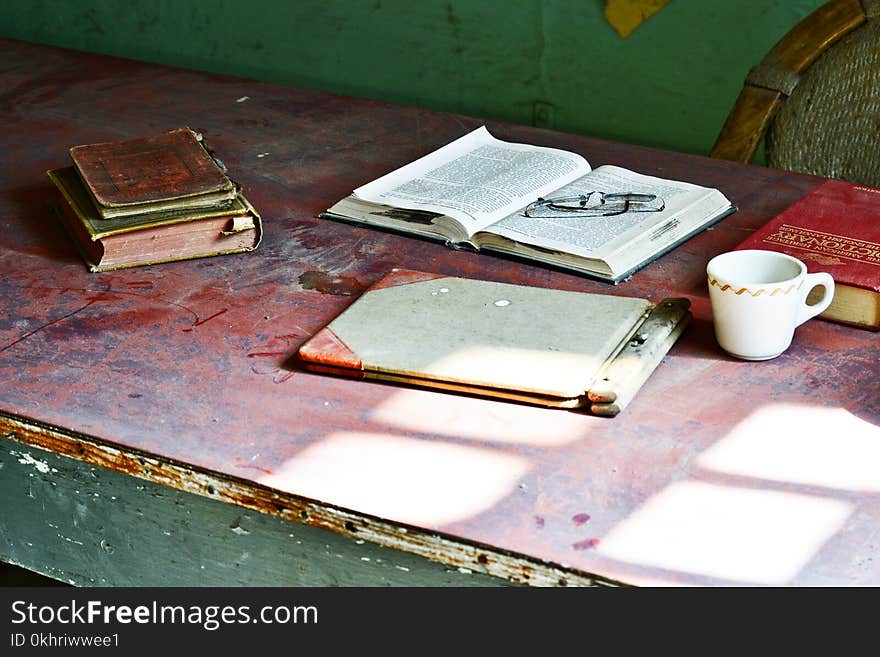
155, 429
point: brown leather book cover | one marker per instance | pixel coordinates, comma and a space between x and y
160, 168
836, 229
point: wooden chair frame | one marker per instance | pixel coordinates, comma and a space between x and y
769, 83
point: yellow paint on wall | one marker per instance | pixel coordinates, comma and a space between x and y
626, 15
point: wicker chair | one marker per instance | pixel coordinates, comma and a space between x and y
815, 98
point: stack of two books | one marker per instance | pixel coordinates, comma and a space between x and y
154, 199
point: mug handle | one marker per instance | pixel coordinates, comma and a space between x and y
805, 312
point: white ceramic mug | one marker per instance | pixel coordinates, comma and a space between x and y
759, 298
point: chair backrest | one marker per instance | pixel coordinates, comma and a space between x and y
815, 98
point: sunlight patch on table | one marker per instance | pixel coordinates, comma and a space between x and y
413, 481
468, 417
736, 534
801, 444
559, 372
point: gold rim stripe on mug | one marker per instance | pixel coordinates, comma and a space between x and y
725, 287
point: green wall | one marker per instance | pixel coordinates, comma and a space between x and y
552, 63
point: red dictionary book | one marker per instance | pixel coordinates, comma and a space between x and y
836, 229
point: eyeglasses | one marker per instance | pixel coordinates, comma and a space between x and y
594, 204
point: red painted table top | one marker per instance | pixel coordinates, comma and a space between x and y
719, 472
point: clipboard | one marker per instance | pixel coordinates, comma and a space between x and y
555, 348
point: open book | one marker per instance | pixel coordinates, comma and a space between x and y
472, 193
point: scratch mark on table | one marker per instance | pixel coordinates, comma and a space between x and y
110, 290
240, 464
199, 322
46, 325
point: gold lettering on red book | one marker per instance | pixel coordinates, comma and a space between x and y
849, 248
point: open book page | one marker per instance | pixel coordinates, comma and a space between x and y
600, 237
477, 179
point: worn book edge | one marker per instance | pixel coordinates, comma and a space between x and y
184, 150
90, 244
66, 180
